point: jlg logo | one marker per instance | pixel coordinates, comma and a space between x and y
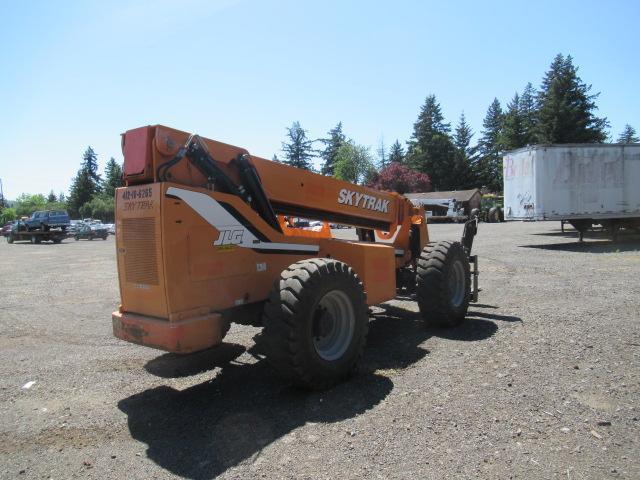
229, 237
348, 197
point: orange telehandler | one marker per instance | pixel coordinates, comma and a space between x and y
205, 236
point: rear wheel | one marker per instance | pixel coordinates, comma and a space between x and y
443, 284
9, 238
316, 323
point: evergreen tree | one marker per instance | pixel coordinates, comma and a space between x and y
335, 140
383, 158
628, 135
513, 134
566, 109
462, 136
298, 151
430, 120
431, 149
61, 197
464, 153
489, 163
113, 177
85, 184
528, 113
275, 158
90, 165
396, 153
51, 198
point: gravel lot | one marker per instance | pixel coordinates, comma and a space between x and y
542, 381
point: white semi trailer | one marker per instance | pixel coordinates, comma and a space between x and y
583, 184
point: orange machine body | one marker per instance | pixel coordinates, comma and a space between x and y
192, 259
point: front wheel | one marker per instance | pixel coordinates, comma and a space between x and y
316, 323
9, 238
443, 284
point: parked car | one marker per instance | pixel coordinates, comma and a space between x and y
89, 232
6, 229
46, 219
315, 226
111, 228
73, 226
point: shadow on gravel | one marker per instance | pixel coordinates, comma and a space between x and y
598, 246
493, 316
171, 365
203, 430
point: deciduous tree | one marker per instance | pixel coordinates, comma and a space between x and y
353, 163
398, 178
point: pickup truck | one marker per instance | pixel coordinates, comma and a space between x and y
47, 219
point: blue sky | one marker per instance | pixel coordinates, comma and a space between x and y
78, 73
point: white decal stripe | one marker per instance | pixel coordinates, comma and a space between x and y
209, 209
217, 216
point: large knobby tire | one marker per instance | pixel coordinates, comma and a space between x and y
443, 284
316, 323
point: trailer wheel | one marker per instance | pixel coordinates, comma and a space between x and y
443, 284
316, 323
493, 216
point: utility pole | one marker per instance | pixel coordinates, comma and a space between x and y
1, 195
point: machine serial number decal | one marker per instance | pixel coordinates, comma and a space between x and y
137, 194
349, 197
139, 205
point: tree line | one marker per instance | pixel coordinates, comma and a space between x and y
561, 110
90, 196
436, 156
